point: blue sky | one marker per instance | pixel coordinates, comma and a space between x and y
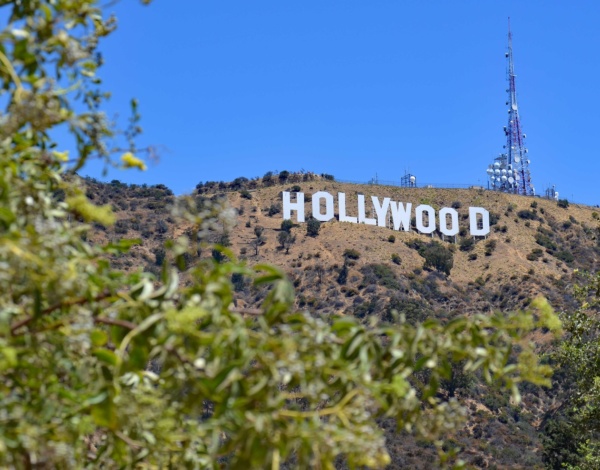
357, 88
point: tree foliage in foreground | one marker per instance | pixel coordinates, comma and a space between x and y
105, 369
572, 435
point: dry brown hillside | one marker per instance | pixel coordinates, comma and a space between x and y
505, 275
367, 271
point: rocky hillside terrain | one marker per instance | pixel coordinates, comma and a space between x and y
536, 246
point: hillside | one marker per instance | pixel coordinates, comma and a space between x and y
350, 269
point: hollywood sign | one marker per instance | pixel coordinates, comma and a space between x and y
425, 216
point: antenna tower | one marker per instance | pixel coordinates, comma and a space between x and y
408, 180
510, 170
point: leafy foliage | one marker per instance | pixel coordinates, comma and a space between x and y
490, 246
438, 257
380, 274
287, 225
351, 253
286, 240
312, 227
467, 244
572, 435
527, 215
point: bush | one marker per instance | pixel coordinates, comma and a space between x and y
267, 179
392, 239
437, 257
533, 205
162, 227
343, 275
414, 310
416, 244
467, 244
312, 227
238, 183
381, 274
396, 258
283, 176
472, 256
527, 215
564, 203
295, 189
565, 256
159, 256
286, 240
545, 241
490, 246
237, 280
245, 194
287, 225
456, 205
274, 209
351, 254
121, 227
536, 254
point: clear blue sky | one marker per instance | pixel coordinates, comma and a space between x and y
355, 88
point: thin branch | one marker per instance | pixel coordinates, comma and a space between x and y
130, 442
115, 322
248, 311
58, 306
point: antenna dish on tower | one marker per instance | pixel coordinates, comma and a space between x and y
408, 180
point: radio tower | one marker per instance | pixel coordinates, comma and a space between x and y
510, 170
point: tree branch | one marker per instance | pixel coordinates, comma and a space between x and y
248, 311
52, 308
115, 322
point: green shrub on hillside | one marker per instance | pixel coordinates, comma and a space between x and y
490, 246
274, 209
467, 244
312, 227
380, 274
351, 253
535, 254
287, 225
527, 215
438, 257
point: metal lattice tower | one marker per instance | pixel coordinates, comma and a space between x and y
408, 181
510, 170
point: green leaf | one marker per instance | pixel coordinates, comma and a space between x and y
105, 414
98, 338
273, 274
106, 356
